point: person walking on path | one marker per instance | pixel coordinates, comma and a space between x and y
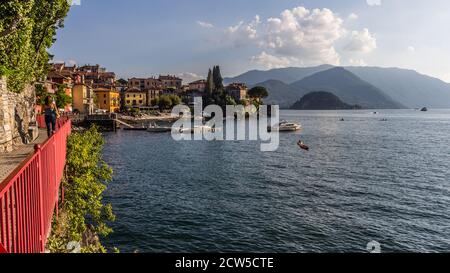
51, 114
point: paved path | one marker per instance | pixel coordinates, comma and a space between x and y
9, 161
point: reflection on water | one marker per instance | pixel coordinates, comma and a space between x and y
363, 180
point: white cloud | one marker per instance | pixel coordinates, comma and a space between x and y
270, 61
300, 34
189, 77
361, 41
242, 33
373, 2
357, 62
411, 49
205, 24
353, 16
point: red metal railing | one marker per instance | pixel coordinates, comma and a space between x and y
29, 196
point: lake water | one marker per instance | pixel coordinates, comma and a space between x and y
362, 180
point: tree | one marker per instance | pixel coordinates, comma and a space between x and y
210, 83
165, 102
176, 100
258, 92
217, 78
155, 101
27, 30
61, 98
41, 94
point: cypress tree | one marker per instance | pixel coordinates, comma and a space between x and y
217, 77
210, 83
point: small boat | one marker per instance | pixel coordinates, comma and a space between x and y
303, 146
424, 109
158, 129
195, 130
285, 126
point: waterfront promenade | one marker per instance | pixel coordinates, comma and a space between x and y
29, 195
10, 161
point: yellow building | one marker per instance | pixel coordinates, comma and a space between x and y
135, 97
108, 99
82, 100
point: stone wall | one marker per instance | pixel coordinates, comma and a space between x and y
16, 115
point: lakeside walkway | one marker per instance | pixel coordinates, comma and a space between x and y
10, 161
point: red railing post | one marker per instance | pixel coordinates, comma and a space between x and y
2, 249
37, 149
55, 148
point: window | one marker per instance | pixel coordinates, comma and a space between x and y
104, 95
104, 102
140, 102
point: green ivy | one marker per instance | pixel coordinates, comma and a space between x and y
83, 210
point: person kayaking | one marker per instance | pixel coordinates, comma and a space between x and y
302, 145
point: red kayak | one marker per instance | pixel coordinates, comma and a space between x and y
303, 146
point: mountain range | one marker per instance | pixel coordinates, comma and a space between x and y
370, 87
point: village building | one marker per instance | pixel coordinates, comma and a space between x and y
83, 84
199, 85
136, 98
170, 82
144, 83
238, 91
97, 76
153, 93
82, 97
59, 77
107, 99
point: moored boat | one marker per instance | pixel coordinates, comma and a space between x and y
158, 129
285, 126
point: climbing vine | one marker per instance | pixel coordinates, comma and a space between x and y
84, 215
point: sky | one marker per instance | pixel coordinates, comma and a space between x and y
143, 38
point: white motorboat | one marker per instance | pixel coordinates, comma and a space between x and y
285, 126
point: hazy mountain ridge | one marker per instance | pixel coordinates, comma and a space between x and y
280, 93
286, 75
348, 87
407, 87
